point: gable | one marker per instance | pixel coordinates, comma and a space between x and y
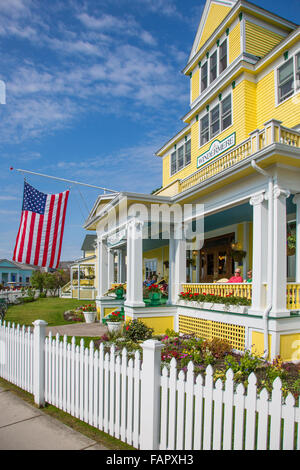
5, 263
213, 14
260, 40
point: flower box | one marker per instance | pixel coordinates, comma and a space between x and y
243, 309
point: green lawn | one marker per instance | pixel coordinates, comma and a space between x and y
51, 310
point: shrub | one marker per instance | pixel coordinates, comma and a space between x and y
219, 348
28, 299
136, 330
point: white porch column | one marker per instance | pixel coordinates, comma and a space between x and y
102, 267
179, 275
198, 261
111, 267
296, 200
121, 266
71, 279
171, 270
78, 282
134, 291
260, 251
279, 254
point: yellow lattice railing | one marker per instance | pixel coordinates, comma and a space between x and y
293, 296
209, 329
238, 290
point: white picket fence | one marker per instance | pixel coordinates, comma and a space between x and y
141, 404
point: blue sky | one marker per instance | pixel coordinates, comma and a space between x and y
93, 89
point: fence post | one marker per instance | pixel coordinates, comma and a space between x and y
150, 395
39, 335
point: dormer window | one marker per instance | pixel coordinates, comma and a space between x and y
223, 56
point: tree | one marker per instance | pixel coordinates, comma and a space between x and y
37, 281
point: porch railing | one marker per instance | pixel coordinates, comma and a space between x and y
244, 290
238, 290
273, 132
293, 296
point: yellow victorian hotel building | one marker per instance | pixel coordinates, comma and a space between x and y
237, 156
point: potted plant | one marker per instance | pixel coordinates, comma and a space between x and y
114, 321
291, 243
89, 312
155, 294
118, 291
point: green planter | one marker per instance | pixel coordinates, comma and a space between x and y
119, 294
155, 298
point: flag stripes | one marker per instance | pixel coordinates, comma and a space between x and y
40, 234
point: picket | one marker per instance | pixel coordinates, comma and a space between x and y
105, 390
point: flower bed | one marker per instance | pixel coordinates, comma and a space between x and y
216, 352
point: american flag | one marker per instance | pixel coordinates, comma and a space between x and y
40, 234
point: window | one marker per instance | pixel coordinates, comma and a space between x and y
226, 112
204, 130
173, 163
181, 157
298, 71
213, 67
223, 56
288, 78
188, 152
285, 80
204, 77
217, 120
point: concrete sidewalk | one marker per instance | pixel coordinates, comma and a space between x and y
78, 329
24, 427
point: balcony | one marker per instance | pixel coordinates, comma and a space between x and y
273, 132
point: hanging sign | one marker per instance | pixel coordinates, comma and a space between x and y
217, 147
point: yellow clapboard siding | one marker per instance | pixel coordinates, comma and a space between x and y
259, 40
215, 16
195, 90
287, 112
234, 43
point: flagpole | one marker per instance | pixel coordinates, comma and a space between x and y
65, 180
